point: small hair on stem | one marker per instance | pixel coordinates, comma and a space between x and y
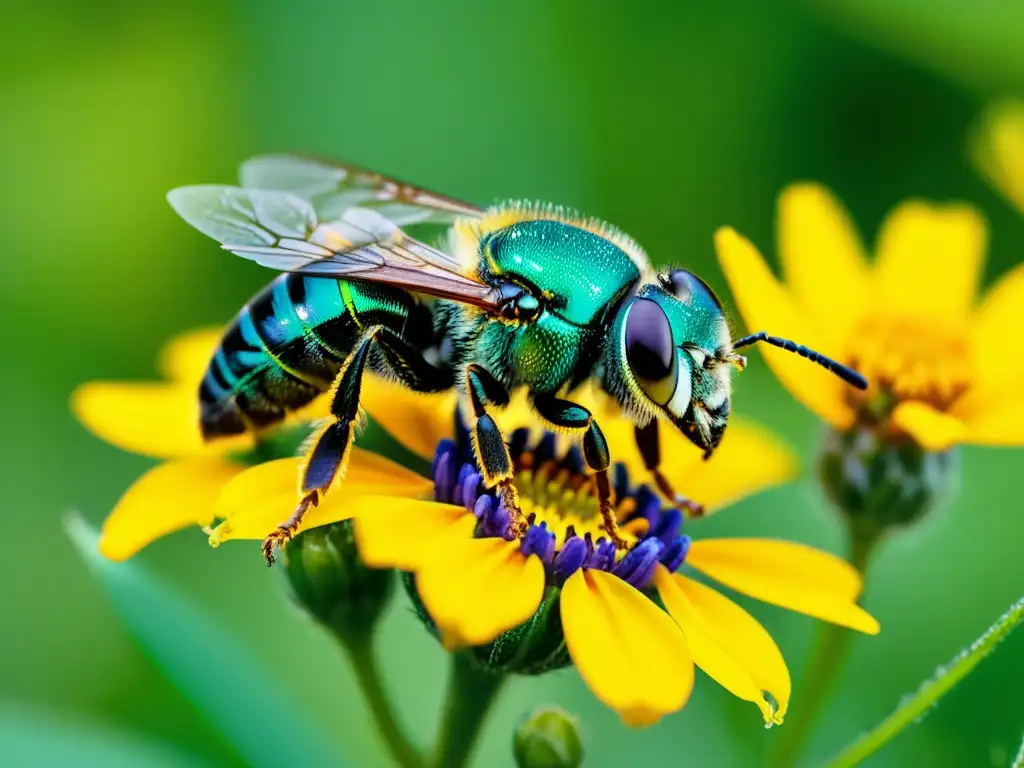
844, 372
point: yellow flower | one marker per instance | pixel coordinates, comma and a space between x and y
937, 362
998, 149
477, 576
160, 419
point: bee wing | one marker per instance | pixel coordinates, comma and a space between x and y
282, 231
334, 187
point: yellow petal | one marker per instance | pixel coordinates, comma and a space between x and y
261, 520
787, 574
628, 651
417, 420
931, 429
822, 259
185, 357
475, 589
263, 496
166, 499
367, 472
998, 370
766, 306
750, 459
367, 469
404, 534
271, 479
930, 258
998, 149
154, 419
728, 644
519, 414
1002, 425
775, 560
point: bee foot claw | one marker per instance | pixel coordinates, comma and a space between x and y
691, 508
284, 533
276, 541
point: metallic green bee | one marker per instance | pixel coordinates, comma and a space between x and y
520, 296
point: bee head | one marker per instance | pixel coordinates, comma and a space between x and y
663, 359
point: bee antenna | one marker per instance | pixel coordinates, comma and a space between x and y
844, 372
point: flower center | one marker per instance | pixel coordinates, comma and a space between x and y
557, 493
907, 358
558, 503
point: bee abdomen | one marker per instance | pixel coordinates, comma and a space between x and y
286, 347
270, 360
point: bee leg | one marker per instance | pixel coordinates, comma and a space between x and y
408, 365
492, 454
650, 451
286, 530
330, 449
576, 419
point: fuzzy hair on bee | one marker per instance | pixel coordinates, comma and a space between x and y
467, 234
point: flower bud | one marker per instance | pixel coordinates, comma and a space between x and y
879, 484
329, 580
534, 647
549, 738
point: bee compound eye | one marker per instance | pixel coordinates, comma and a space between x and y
650, 350
680, 282
684, 285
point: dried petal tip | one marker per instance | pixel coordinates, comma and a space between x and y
328, 579
549, 738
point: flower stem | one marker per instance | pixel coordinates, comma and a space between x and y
822, 669
471, 691
916, 706
360, 652
1018, 761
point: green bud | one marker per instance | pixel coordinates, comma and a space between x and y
879, 484
328, 579
549, 738
534, 647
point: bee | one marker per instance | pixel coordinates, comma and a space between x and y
517, 296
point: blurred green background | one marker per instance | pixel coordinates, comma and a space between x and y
667, 118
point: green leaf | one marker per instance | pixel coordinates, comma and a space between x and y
207, 665
43, 740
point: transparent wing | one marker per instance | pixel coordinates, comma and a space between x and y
282, 231
334, 187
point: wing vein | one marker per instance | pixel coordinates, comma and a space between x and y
283, 231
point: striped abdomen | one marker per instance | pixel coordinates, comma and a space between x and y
287, 345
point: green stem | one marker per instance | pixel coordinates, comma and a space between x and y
1018, 761
471, 691
822, 669
915, 707
360, 652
